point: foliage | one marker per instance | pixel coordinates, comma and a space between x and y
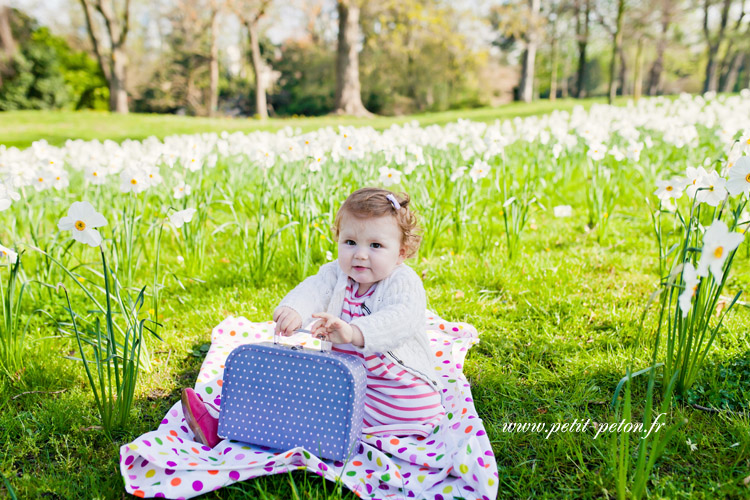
48, 74
308, 80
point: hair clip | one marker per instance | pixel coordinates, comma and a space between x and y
393, 201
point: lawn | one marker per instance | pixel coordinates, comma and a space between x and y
560, 321
21, 128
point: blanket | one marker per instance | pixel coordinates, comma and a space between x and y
456, 461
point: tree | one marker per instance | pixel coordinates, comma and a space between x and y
713, 42
348, 99
526, 85
583, 17
7, 43
617, 52
110, 51
250, 13
655, 74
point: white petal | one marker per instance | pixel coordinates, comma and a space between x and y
66, 223
91, 237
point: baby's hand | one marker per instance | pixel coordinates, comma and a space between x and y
287, 320
331, 328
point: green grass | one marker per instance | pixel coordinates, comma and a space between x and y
559, 325
21, 128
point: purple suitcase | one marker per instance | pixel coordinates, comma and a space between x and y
283, 397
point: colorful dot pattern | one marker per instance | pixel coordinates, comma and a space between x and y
456, 461
282, 398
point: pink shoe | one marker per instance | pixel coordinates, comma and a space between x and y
200, 421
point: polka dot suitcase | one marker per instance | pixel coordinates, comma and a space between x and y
284, 396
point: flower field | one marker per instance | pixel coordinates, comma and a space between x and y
583, 245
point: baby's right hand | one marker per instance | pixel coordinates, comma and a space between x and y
287, 320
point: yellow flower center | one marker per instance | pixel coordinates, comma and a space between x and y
4, 252
40, 179
695, 289
133, 181
747, 141
710, 188
719, 252
747, 177
695, 180
350, 148
95, 174
57, 178
669, 188
80, 225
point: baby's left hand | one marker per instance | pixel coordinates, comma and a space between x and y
333, 329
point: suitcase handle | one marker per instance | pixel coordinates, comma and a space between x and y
324, 345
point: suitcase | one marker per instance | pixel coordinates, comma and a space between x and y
283, 397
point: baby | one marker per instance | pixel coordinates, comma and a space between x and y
368, 304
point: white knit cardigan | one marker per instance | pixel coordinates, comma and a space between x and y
396, 323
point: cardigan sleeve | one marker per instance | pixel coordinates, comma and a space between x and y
314, 293
398, 318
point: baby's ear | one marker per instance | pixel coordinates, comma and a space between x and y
402, 255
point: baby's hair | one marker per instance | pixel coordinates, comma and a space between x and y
374, 202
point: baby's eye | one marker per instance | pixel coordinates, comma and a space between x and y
376, 245
349, 242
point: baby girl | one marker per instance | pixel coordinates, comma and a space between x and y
368, 304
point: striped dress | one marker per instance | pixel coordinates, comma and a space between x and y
397, 403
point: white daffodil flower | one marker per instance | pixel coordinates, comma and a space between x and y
718, 243
479, 170
691, 444
458, 173
181, 190
714, 191
82, 220
7, 253
672, 188
133, 181
181, 217
691, 279
694, 180
562, 211
389, 176
739, 176
597, 151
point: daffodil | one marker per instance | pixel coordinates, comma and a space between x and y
739, 176
718, 243
694, 180
82, 220
666, 190
691, 279
181, 217
7, 253
479, 170
713, 191
181, 190
389, 176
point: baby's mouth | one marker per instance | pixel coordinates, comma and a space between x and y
359, 268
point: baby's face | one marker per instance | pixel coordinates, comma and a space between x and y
369, 249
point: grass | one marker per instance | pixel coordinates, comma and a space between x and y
21, 128
559, 326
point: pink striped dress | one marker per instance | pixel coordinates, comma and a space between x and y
397, 403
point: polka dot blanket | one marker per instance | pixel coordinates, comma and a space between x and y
456, 461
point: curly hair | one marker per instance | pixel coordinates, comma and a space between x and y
373, 202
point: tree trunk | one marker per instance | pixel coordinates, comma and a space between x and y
118, 95
113, 64
555, 56
582, 33
564, 92
711, 82
655, 74
213, 64
261, 106
730, 78
526, 85
747, 71
637, 78
616, 48
348, 91
623, 78
7, 43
